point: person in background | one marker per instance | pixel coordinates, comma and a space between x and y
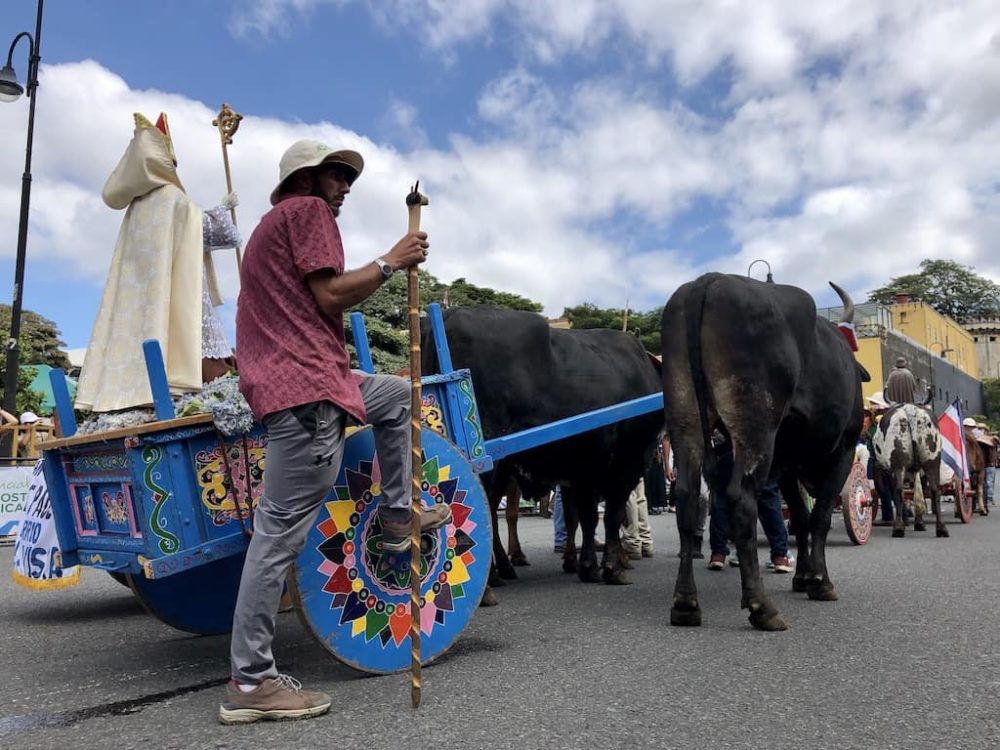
768, 513
901, 387
558, 521
637, 535
881, 479
24, 442
990, 455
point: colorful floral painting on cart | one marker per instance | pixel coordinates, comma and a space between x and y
231, 478
371, 589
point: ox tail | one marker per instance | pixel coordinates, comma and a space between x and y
694, 310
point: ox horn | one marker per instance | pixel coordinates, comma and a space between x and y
848, 316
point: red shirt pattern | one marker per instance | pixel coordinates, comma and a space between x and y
289, 351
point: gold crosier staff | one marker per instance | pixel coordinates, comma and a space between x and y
413, 203
228, 122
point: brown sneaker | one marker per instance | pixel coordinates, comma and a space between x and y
781, 564
277, 698
717, 561
396, 534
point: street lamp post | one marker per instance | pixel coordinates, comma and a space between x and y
10, 90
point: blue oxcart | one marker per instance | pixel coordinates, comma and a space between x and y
169, 506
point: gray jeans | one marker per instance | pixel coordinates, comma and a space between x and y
304, 451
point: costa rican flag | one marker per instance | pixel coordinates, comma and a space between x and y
953, 441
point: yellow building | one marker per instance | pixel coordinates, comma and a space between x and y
869, 354
939, 352
942, 335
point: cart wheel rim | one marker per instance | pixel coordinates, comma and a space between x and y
964, 500
355, 599
857, 505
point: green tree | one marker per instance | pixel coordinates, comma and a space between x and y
589, 315
991, 402
644, 325
40, 344
949, 287
462, 293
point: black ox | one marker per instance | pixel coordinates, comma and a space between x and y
753, 360
527, 374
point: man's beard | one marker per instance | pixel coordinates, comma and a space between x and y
317, 193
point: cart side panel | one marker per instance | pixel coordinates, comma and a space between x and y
227, 481
448, 406
179, 497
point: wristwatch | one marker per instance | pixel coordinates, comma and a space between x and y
385, 268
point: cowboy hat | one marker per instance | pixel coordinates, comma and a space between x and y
305, 154
877, 399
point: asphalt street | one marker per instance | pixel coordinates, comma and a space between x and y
904, 660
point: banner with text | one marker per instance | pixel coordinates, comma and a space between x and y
35, 552
14, 481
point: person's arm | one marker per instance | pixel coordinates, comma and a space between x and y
9, 418
335, 292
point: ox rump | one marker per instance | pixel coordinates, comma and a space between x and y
752, 360
907, 444
526, 375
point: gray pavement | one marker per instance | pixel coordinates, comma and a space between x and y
904, 660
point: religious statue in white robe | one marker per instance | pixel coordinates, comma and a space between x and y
154, 286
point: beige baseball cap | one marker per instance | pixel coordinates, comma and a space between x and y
305, 154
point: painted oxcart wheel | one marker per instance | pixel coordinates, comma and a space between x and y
355, 599
857, 506
201, 600
963, 501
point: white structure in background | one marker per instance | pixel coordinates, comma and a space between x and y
986, 335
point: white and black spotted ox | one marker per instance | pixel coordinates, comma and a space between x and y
753, 360
907, 445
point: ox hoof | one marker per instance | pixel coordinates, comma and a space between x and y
942, 531
518, 560
685, 614
489, 598
899, 533
919, 526
507, 573
822, 592
770, 622
799, 585
589, 574
615, 577
569, 565
495, 580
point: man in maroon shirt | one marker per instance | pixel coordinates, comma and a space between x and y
295, 374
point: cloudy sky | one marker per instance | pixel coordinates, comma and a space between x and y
572, 150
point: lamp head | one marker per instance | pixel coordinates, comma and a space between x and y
10, 89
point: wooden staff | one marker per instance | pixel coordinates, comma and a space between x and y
413, 203
228, 122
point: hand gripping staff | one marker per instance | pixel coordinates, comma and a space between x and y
228, 121
413, 203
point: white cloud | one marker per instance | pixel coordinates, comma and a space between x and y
851, 141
